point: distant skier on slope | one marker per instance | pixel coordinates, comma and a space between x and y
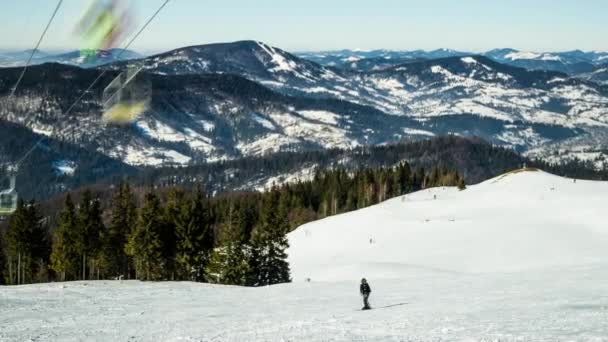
365, 291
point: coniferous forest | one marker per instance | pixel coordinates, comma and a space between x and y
237, 238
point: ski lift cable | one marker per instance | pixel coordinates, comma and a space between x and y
69, 110
122, 87
29, 60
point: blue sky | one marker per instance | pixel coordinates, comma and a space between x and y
306, 25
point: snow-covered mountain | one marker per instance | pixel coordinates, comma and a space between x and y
569, 62
222, 101
20, 58
521, 257
361, 60
599, 75
463, 95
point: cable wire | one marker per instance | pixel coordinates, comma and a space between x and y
69, 110
29, 60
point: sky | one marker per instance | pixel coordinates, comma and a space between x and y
313, 25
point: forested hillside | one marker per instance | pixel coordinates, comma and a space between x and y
178, 234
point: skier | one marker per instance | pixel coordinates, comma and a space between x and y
365, 291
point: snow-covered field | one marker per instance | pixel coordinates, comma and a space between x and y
522, 257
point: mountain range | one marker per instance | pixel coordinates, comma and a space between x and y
574, 62
20, 58
227, 101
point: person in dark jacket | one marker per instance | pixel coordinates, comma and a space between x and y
365, 292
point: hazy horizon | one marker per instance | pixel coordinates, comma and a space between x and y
468, 25
154, 51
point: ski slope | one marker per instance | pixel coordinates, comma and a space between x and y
516, 222
522, 257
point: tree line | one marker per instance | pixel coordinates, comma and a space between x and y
237, 238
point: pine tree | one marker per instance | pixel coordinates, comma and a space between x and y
187, 238
3, 276
90, 229
27, 245
172, 210
194, 237
269, 260
40, 244
145, 244
18, 242
115, 262
65, 257
228, 263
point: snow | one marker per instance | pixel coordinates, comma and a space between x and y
326, 135
321, 116
268, 143
521, 257
208, 126
142, 155
47, 132
522, 55
163, 132
64, 167
353, 59
413, 131
263, 121
281, 63
532, 55
160, 131
303, 174
469, 60
516, 222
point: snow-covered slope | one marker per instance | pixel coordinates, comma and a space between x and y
516, 222
522, 257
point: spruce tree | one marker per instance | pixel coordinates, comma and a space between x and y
65, 257
229, 264
189, 234
115, 262
195, 237
19, 244
90, 229
3, 276
145, 244
24, 242
269, 260
40, 244
171, 212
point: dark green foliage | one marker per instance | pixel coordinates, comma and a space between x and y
27, 245
268, 261
114, 260
145, 243
229, 263
236, 238
3, 281
65, 257
473, 158
194, 236
89, 235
